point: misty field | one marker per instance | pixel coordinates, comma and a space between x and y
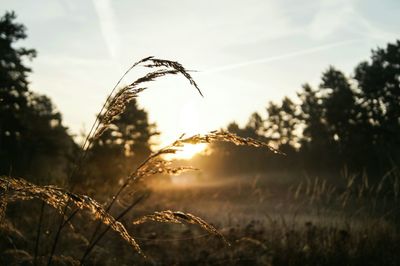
264, 222
166, 212
314, 181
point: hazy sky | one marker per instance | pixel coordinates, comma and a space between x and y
247, 52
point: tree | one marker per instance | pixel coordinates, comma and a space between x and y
313, 117
355, 122
33, 141
342, 116
13, 89
13, 72
340, 110
46, 147
379, 97
282, 123
329, 117
122, 147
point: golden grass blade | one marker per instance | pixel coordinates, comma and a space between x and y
152, 76
178, 217
3, 202
225, 136
116, 104
215, 136
58, 198
177, 66
149, 167
96, 123
159, 166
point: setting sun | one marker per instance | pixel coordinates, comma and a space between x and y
200, 132
188, 151
189, 124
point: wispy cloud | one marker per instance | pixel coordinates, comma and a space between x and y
280, 57
332, 15
372, 31
107, 25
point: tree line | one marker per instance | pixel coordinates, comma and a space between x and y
347, 122
350, 122
34, 142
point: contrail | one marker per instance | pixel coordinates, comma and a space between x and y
108, 29
279, 57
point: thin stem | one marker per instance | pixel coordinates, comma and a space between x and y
53, 247
96, 124
120, 216
84, 151
38, 234
131, 177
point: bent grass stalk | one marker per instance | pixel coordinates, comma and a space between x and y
93, 241
83, 154
154, 165
21, 190
60, 199
179, 217
115, 105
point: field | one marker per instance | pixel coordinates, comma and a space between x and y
310, 179
264, 219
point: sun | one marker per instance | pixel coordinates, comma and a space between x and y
189, 123
186, 152
189, 150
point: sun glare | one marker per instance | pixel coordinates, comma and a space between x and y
189, 123
188, 151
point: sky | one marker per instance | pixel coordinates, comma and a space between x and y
247, 53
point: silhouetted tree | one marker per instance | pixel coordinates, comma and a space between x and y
345, 122
255, 126
379, 96
122, 147
13, 90
338, 100
46, 147
33, 142
282, 123
315, 136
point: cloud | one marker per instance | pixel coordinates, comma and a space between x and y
368, 29
281, 57
332, 16
108, 27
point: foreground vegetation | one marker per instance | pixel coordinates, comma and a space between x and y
312, 223
64, 200
275, 218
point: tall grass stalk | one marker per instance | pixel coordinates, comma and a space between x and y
65, 200
115, 105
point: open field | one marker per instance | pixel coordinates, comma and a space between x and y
310, 179
265, 221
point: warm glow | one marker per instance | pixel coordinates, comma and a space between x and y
188, 124
189, 150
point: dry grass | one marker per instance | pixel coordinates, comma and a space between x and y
178, 217
21, 190
279, 238
14, 189
116, 102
